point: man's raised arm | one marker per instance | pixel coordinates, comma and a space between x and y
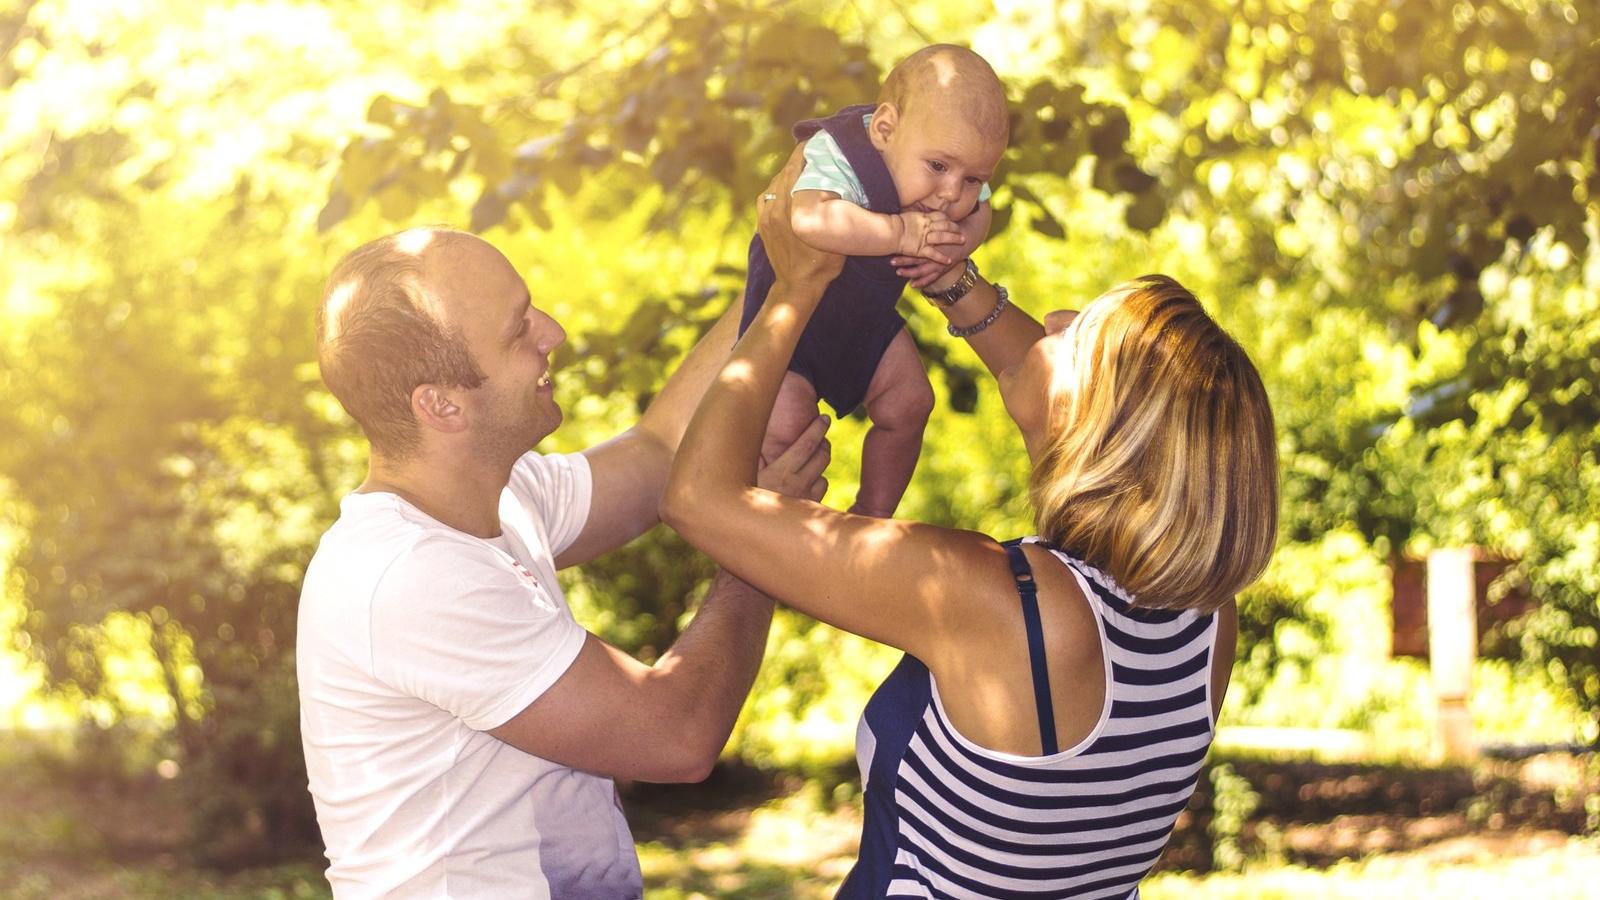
630, 470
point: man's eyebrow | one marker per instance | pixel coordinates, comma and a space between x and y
522, 311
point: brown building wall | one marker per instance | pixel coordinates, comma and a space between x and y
1409, 609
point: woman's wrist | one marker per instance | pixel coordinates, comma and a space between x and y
972, 306
945, 296
948, 280
1002, 300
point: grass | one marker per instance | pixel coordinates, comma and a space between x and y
90, 879
1569, 869
1331, 830
797, 846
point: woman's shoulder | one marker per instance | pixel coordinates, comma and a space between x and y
974, 583
998, 583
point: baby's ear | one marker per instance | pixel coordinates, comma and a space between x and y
884, 121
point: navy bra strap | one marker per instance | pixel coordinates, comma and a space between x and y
1028, 591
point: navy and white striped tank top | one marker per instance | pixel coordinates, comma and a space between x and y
945, 817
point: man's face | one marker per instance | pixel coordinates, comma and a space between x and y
939, 162
482, 296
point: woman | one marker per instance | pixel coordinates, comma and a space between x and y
1058, 695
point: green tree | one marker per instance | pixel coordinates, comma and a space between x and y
1371, 173
1392, 206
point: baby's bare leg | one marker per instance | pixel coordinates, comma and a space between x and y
792, 412
899, 401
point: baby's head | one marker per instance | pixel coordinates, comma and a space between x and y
941, 125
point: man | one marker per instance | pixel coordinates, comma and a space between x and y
461, 730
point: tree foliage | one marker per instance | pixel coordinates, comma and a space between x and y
1392, 205
697, 102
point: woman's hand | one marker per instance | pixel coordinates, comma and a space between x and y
794, 262
924, 272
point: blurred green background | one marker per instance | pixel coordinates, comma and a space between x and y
1391, 203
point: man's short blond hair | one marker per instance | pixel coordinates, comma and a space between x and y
379, 337
954, 76
1162, 465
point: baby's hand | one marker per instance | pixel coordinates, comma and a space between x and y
922, 271
921, 234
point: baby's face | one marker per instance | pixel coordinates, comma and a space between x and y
938, 162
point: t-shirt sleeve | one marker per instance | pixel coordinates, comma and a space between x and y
556, 490
457, 626
827, 170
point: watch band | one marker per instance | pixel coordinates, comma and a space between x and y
948, 297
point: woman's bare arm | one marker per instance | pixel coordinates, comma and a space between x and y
1005, 341
901, 583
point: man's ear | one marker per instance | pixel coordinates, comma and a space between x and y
435, 408
884, 121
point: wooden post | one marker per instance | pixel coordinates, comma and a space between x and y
1453, 646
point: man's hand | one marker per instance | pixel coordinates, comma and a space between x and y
798, 470
924, 233
793, 260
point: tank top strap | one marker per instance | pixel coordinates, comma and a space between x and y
1028, 592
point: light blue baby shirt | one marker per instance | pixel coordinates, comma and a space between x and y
827, 170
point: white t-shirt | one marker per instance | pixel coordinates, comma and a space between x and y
414, 640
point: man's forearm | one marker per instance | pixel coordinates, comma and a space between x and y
714, 662
669, 413
630, 470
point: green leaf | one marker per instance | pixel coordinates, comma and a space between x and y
1002, 217
489, 211
335, 210
1132, 179
962, 385
1146, 212
381, 110
534, 207
1047, 225
1108, 138
398, 202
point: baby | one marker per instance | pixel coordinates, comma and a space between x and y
907, 178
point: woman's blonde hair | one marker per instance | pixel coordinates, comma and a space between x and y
1161, 465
